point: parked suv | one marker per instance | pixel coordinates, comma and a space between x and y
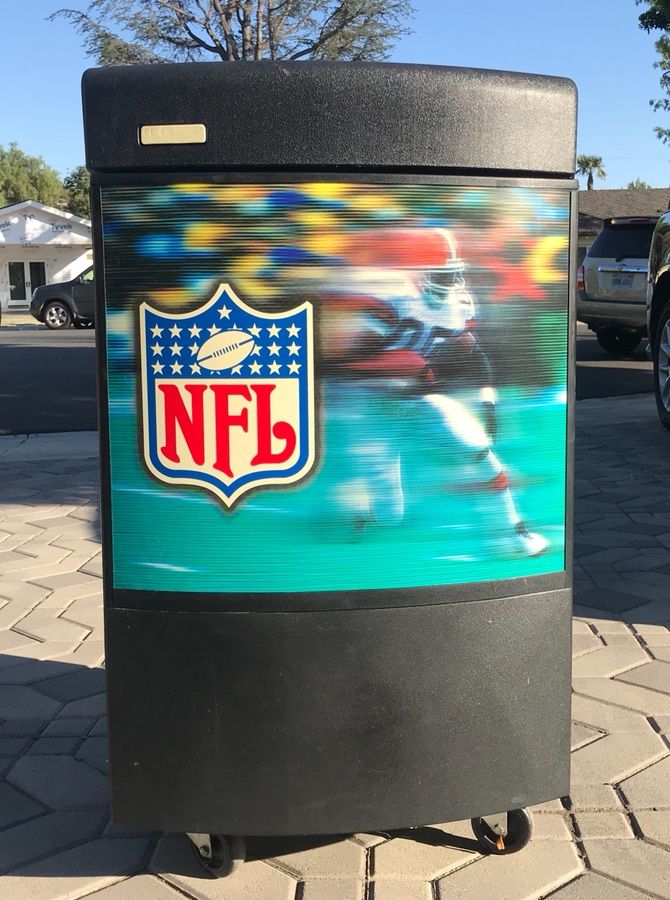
66, 303
611, 283
658, 314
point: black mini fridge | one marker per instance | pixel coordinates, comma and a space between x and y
335, 345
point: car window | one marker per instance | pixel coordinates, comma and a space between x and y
623, 241
88, 276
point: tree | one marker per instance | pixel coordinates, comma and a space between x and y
637, 184
590, 166
24, 177
657, 18
77, 185
152, 31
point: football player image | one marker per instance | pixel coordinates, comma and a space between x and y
400, 323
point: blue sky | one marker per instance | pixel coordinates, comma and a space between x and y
597, 43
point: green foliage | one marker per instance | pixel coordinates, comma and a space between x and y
590, 166
24, 177
657, 18
77, 185
147, 31
637, 184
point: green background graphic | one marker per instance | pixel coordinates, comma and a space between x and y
341, 527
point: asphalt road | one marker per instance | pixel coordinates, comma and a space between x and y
601, 375
47, 378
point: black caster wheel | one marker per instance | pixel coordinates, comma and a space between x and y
227, 855
519, 833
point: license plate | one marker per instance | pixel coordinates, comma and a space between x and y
622, 281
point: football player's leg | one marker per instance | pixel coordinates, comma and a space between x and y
373, 494
363, 448
527, 542
482, 469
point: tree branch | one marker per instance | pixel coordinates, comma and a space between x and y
325, 35
225, 20
245, 21
258, 52
133, 31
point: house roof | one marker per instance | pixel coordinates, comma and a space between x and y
35, 204
596, 205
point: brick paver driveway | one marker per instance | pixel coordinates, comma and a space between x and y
609, 839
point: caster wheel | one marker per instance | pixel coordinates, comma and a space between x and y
227, 855
519, 833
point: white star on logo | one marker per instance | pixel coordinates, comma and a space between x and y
273, 331
293, 367
194, 331
255, 368
224, 312
195, 368
194, 349
176, 368
255, 330
293, 331
274, 368
156, 331
293, 349
237, 370
256, 351
158, 368
274, 349
175, 331
157, 349
176, 349
213, 329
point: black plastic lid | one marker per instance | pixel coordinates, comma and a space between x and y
331, 115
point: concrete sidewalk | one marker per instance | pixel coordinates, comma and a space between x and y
609, 839
19, 317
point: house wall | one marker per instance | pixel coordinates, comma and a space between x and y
68, 265
31, 226
34, 233
61, 264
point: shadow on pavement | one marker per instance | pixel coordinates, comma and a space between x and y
600, 374
25, 486
54, 809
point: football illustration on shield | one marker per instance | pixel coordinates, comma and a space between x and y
225, 350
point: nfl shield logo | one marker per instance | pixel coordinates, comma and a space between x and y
228, 396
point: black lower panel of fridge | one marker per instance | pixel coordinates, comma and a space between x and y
335, 722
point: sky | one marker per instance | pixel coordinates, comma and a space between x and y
597, 43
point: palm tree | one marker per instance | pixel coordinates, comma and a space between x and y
590, 165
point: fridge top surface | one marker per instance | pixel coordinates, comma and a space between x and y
321, 115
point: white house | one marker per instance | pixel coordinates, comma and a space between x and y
39, 245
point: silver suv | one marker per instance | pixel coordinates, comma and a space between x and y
612, 281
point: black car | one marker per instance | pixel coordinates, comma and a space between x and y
658, 314
66, 303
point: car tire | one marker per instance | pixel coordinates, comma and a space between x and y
661, 358
618, 341
56, 315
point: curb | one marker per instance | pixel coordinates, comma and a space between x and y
84, 444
